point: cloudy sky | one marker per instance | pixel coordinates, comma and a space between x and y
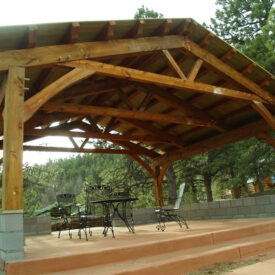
21, 12
18, 12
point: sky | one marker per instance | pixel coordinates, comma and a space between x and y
23, 12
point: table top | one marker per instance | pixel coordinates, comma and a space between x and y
115, 200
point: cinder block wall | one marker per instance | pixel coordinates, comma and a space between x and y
37, 225
251, 207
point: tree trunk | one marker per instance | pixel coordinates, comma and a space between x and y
172, 186
236, 188
194, 190
237, 191
261, 187
207, 184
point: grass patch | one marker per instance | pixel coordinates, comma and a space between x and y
218, 269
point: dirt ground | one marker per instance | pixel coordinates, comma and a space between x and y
228, 268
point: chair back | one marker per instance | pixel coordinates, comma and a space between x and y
180, 194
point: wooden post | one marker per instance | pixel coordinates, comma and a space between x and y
12, 194
158, 178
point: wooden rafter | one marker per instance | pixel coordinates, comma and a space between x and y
163, 80
31, 37
90, 134
184, 107
267, 138
72, 34
121, 113
163, 29
137, 30
125, 99
107, 32
226, 69
33, 104
126, 144
264, 112
215, 142
73, 142
147, 98
75, 150
146, 127
84, 143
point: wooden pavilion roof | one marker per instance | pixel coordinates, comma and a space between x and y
162, 88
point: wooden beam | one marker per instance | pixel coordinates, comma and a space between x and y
163, 29
228, 55
33, 104
52, 54
12, 183
157, 79
173, 64
72, 34
147, 98
182, 28
90, 134
75, 150
148, 128
143, 164
215, 142
248, 69
107, 32
73, 142
32, 36
137, 30
3, 88
206, 40
84, 143
121, 113
194, 70
267, 138
264, 112
226, 69
109, 125
184, 107
126, 144
125, 99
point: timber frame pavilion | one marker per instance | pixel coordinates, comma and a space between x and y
158, 88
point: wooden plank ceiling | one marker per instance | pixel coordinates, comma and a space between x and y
165, 89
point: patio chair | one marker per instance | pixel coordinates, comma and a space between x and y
169, 214
63, 212
93, 214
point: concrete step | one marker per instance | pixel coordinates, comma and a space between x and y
136, 251
184, 261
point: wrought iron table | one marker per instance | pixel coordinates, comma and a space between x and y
111, 208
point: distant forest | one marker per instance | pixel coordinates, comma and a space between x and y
208, 176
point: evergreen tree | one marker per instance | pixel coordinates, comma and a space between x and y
248, 25
144, 12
